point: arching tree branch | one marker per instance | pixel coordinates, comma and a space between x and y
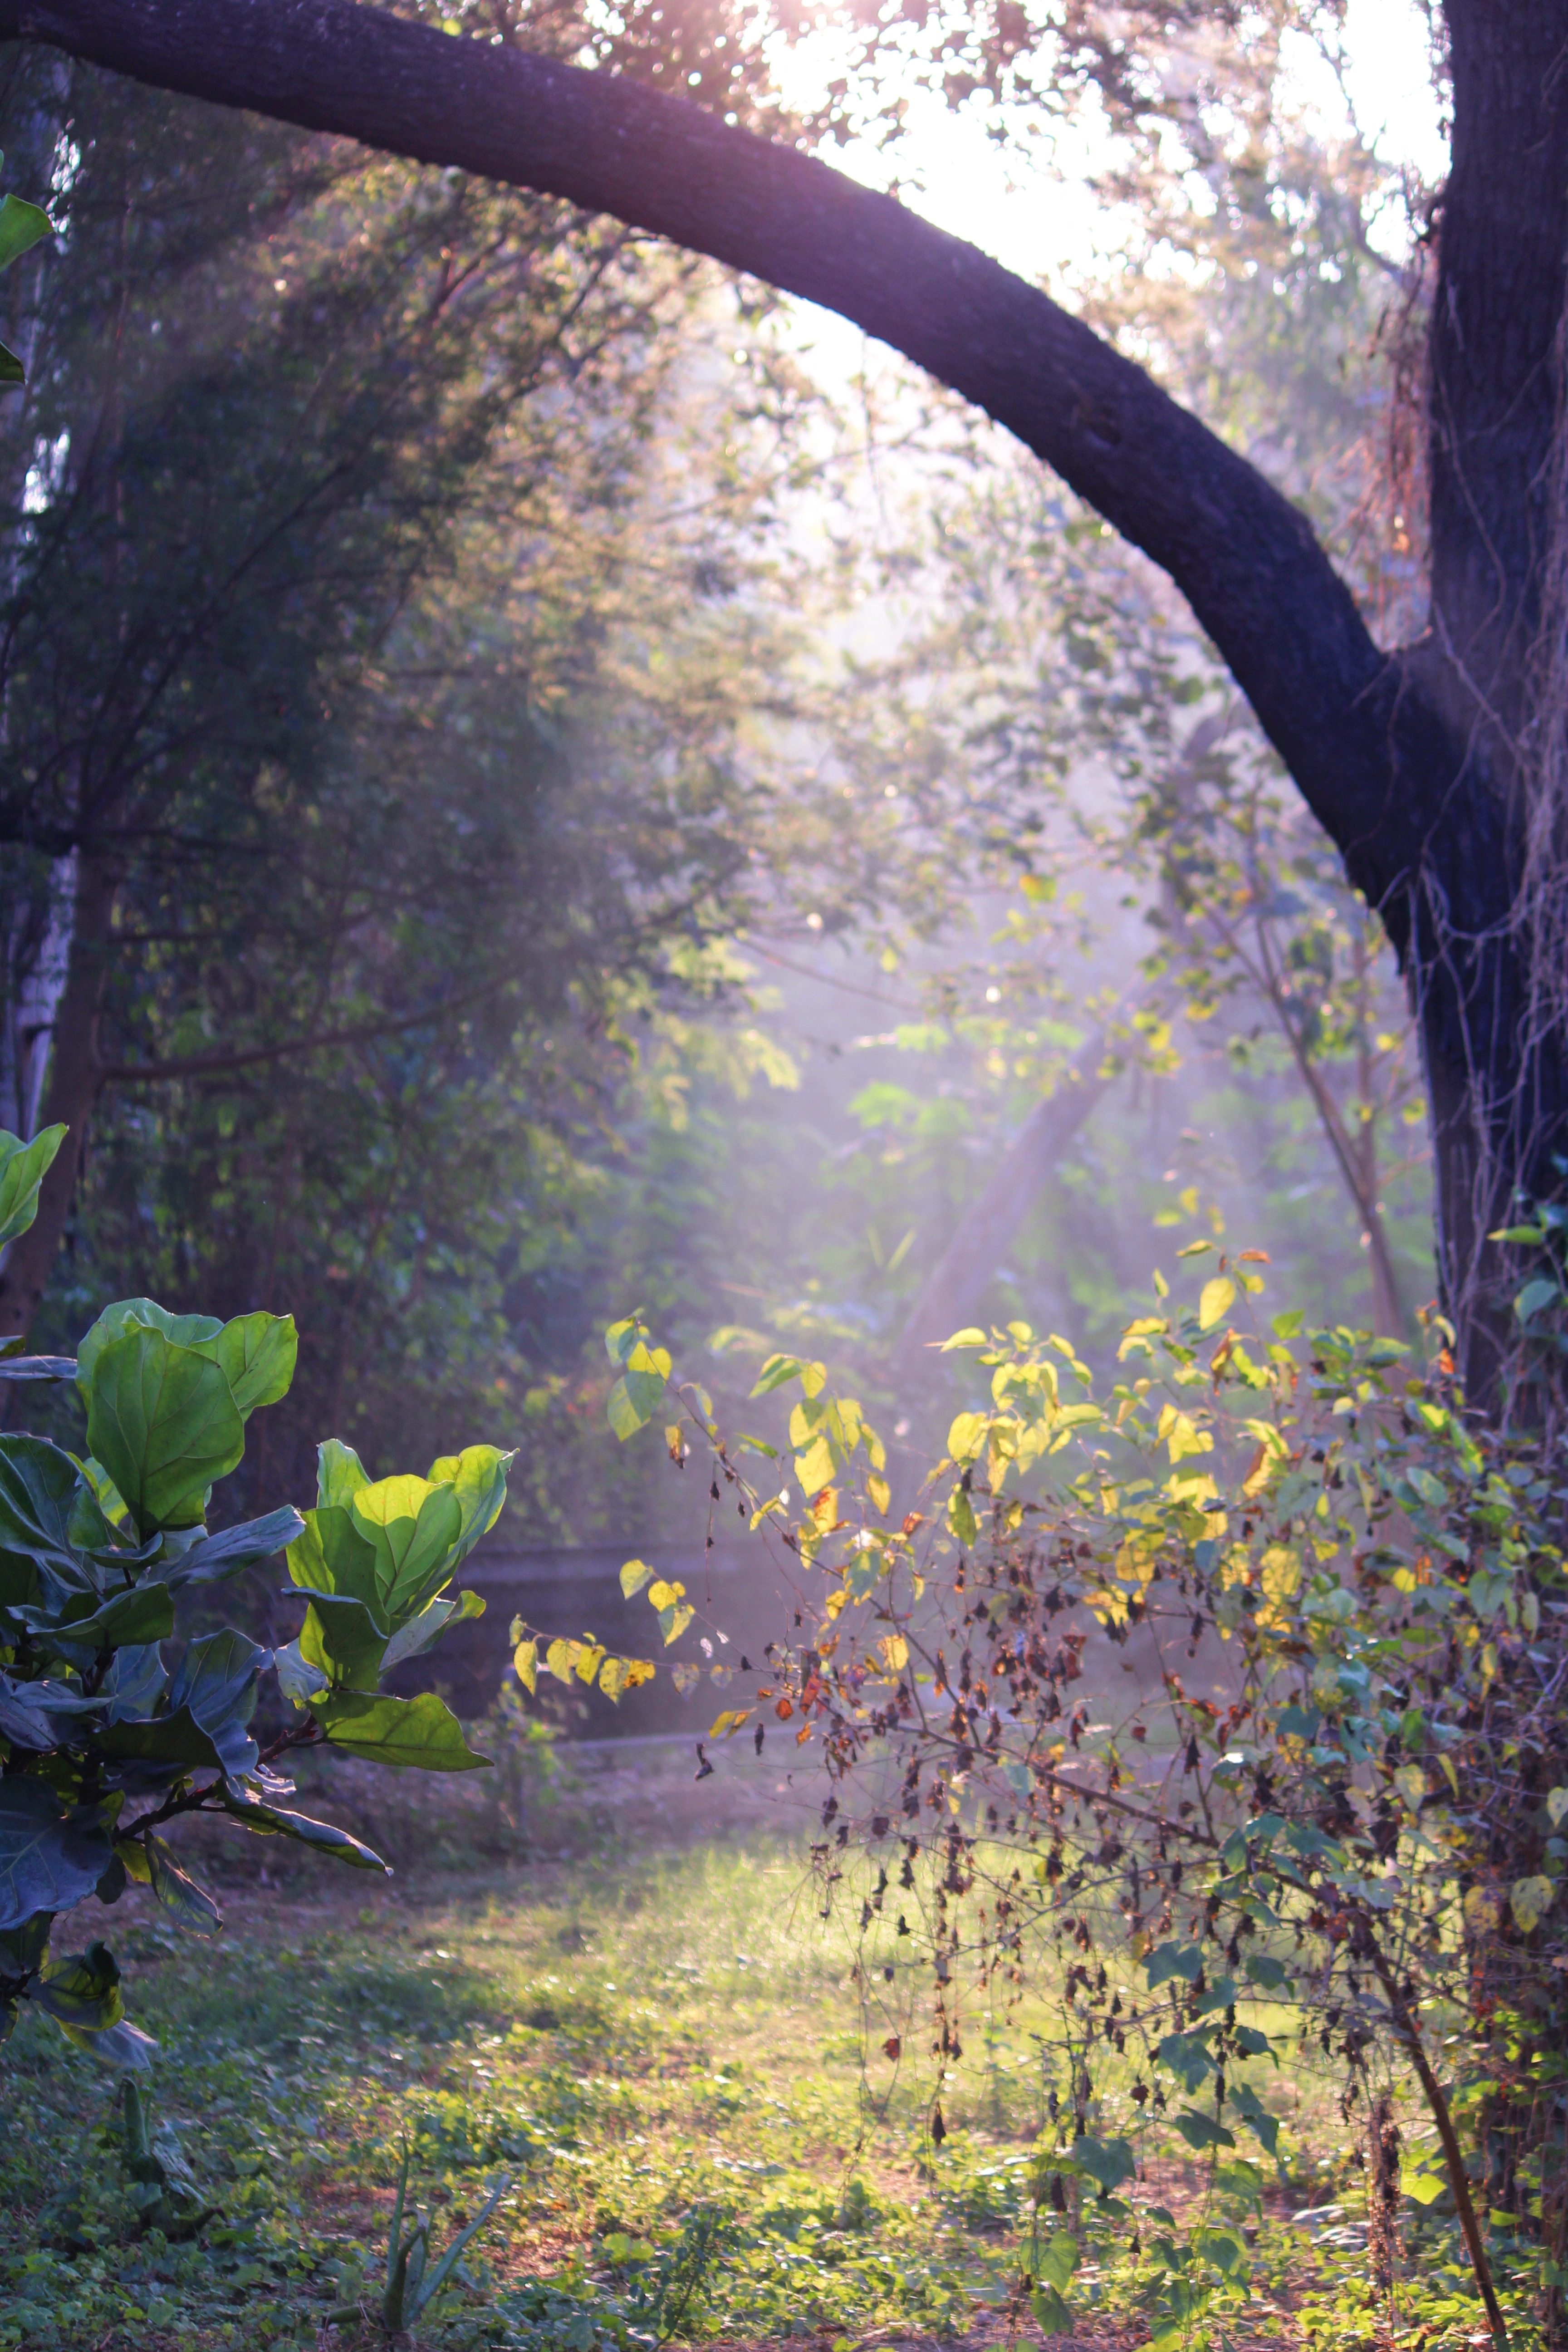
1244, 557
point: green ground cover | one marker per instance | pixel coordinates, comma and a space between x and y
686, 2073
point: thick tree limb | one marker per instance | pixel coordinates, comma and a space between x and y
1242, 556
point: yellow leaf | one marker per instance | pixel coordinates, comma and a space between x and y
960, 1517
638, 1671
966, 1436
525, 1658
561, 1657
1411, 1782
133, 1855
674, 1620
662, 1595
825, 1509
814, 1468
612, 1678
881, 1493
895, 1652
1556, 1806
586, 1662
726, 1725
1218, 1295
675, 1444
835, 1603
1482, 1911
634, 1574
1530, 1900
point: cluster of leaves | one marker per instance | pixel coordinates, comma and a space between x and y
1362, 1820
103, 1745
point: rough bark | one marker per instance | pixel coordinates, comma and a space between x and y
74, 1082
1409, 761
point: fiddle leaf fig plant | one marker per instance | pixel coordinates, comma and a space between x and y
107, 1739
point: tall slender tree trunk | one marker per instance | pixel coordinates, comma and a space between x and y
70, 1093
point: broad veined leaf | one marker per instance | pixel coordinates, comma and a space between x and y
340, 1474
420, 1732
1107, 2163
216, 1681
83, 1991
134, 1682
37, 1715
257, 1355
477, 1478
618, 1676
23, 1166
1057, 2260
342, 1639
41, 1526
49, 1859
331, 1554
634, 1398
118, 2045
1052, 2316
297, 1682
1201, 2131
140, 1614
421, 1633
188, 1905
1255, 2116
1217, 1300
161, 1421
1530, 1900
412, 1527
634, 1574
138, 1314
214, 1558
174, 1740
23, 225
273, 1821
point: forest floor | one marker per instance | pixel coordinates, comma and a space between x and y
713, 2109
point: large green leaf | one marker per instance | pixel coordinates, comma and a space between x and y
37, 1715
256, 1354
421, 1633
145, 1314
50, 1860
340, 1473
189, 1905
83, 1991
217, 1680
214, 1558
41, 1490
477, 1478
161, 1421
331, 1554
273, 1821
23, 1166
23, 225
413, 1527
176, 1738
421, 1732
341, 1638
142, 1614
135, 1683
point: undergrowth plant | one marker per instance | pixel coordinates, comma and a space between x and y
1355, 1825
105, 1742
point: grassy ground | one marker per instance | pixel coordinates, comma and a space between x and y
644, 2023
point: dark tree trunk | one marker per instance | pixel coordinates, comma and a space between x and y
1412, 762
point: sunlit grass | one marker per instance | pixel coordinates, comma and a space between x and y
636, 2038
